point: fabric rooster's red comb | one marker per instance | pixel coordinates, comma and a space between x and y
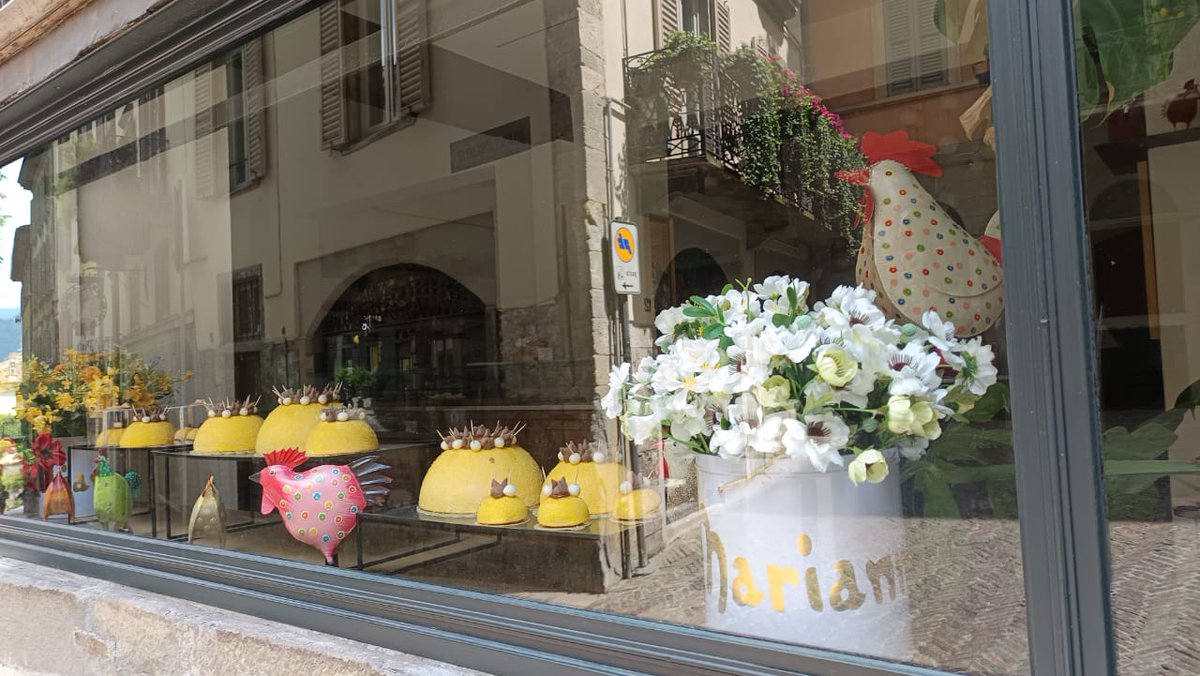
898, 146
290, 458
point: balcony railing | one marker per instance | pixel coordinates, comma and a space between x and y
692, 106
682, 106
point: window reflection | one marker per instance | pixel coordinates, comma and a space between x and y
411, 202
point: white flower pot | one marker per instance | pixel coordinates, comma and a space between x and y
803, 556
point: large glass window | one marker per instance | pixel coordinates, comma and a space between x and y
419, 240
1140, 149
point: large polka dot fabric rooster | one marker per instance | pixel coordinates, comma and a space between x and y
320, 507
913, 253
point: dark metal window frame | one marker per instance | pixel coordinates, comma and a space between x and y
1055, 416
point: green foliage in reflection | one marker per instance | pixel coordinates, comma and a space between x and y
789, 146
976, 455
1122, 47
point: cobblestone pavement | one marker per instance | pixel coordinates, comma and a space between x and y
966, 598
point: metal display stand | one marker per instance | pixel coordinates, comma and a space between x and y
120, 456
460, 529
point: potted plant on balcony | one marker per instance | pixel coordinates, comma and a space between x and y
799, 414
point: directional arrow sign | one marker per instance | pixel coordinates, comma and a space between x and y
626, 268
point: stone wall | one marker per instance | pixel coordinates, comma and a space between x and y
58, 622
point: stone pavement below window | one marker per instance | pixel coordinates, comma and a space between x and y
97, 627
966, 594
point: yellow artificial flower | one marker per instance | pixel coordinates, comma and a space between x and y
870, 466
64, 401
908, 417
836, 367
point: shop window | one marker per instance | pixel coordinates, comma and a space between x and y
374, 66
915, 51
822, 459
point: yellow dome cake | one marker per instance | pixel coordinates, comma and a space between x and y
148, 429
341, 430
561, 506
112, 435
231, 427
636, 503
298, 412
502, 507
459, 478
597, 475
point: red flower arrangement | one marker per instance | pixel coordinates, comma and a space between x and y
45, 454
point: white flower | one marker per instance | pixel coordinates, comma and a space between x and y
913, 370
614, 401
820, 438
913, 448
941, 336
774, 286
768, 436
641, 428
731, 443
668, 319
977, 373
870, 465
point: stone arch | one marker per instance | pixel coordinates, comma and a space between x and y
692, 272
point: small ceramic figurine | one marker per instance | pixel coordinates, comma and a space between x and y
208, 515
113, 499
57, 498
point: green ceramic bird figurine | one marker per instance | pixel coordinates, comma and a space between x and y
208, 515
113, 500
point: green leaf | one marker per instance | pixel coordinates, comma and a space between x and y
696, 312
938, 500
1147, 442
993, 401
1189, 398
703, 302
1136, 41
1151, 468
780, 320
712, 331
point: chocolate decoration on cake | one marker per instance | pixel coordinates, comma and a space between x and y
498, 488
227, 408
342, 413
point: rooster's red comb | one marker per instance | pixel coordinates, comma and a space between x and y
290, 458
898, 146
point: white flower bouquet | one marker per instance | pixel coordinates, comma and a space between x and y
755, 370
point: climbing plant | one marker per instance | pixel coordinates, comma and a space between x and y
790, 146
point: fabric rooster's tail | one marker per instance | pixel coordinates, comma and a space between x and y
371, 479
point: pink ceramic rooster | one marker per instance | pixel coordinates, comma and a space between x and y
320, 507
913, 253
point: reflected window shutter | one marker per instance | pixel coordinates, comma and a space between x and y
333, 85
253, 99
932, 63
724, 32
899, 37
666, 16
203, 98
412, 56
